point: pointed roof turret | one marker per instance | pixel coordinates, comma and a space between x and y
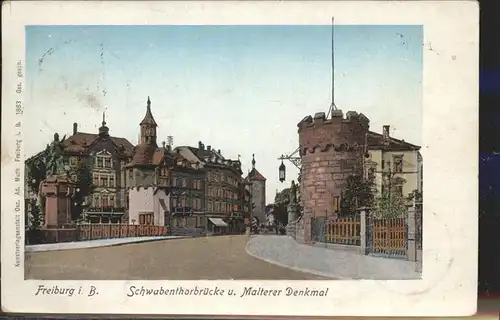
254, 174
148, 118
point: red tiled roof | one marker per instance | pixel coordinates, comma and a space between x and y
375, 141
255, 175
143, 155
158, 156
81, 141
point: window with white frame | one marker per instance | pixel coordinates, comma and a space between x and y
103, 159
73, 161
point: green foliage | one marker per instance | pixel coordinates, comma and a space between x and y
358, 192
35, 172
415, 195
35, 216
84, 185
280, 213
83, 178
282, 197
281, 201
390, 206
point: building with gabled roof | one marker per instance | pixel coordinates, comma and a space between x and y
257, 189
157, 170
106, 156
225, 204
397, 164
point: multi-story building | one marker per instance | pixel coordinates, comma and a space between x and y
224, 194
163, 176
257, 188
106, 157
396, 163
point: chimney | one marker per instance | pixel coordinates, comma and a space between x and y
163, 144
75, 128
201, 146
218, 151
209, 148
385, 134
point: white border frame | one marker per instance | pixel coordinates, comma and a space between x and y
450, 140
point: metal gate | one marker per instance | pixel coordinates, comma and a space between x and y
318, 225
387, 237
418, 226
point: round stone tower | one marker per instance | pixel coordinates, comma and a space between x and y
330, 149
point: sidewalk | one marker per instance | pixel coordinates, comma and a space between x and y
286, 252
94, 243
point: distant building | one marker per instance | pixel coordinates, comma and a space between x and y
258, 192
224, 197
398, 159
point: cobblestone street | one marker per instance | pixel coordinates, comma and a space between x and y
180, 259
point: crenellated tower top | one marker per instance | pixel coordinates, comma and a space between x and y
339, 133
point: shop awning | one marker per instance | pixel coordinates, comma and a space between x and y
218, 222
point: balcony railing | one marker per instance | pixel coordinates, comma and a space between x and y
105, 209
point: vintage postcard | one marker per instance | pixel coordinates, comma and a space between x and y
240, 158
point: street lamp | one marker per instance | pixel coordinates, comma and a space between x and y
282, 172
294, 158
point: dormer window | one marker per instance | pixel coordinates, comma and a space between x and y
103, 159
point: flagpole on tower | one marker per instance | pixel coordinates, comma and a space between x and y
332, 105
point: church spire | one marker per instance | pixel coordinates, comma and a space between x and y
148, 127
103, 118
148, 118
253, 161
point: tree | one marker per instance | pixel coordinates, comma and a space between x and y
358, 191
391, 204
35, 172
415, 196
84, 187
280, 214
35, 217
281, 201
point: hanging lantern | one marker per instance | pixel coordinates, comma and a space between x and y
282, 172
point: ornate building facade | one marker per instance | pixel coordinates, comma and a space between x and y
106, 157
224, 202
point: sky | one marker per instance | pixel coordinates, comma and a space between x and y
241, 89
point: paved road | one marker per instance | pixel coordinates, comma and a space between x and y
180, 259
